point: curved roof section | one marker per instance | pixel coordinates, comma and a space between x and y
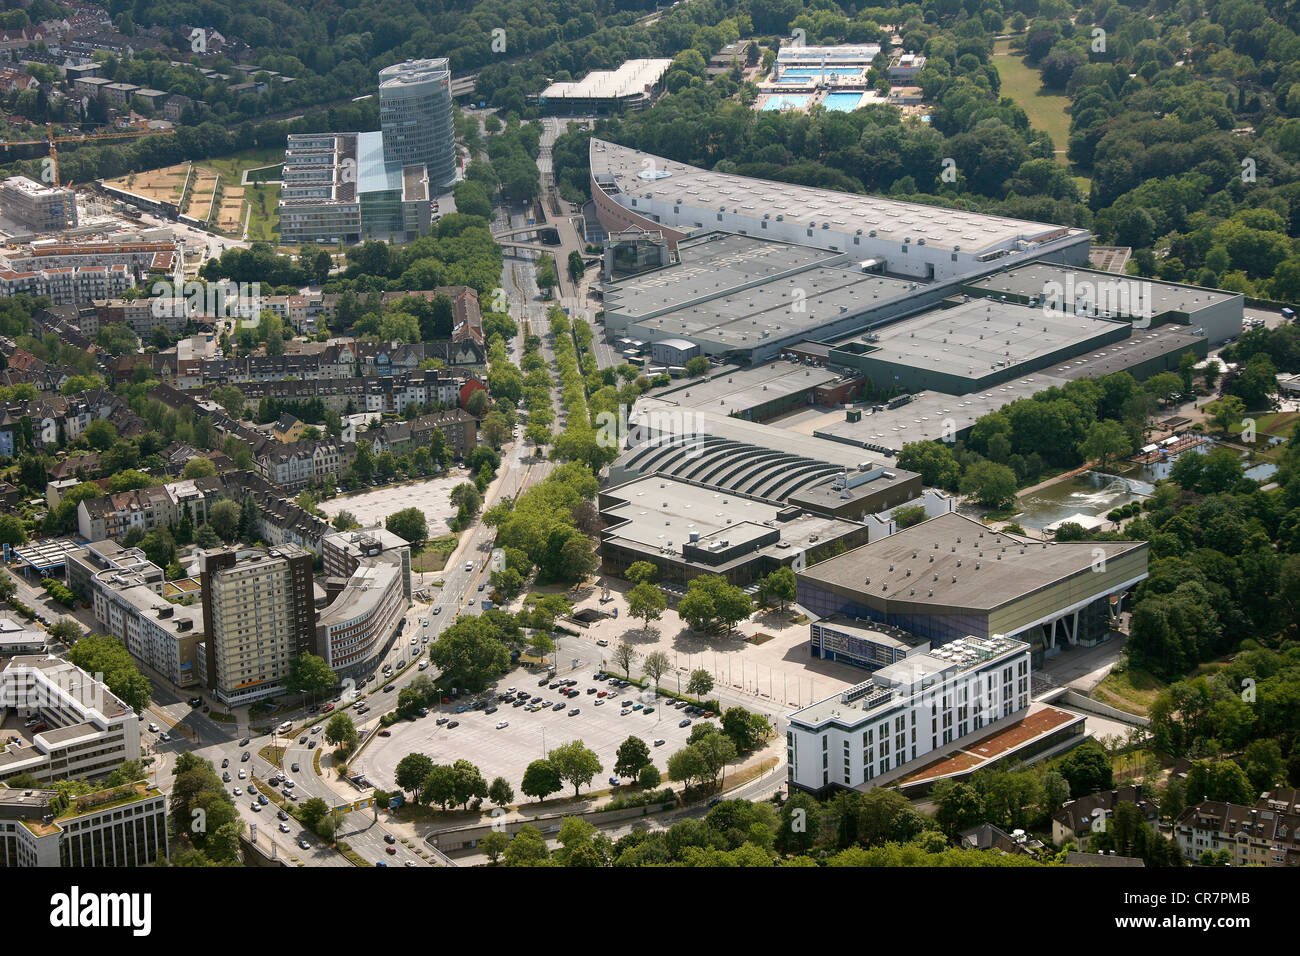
618, 170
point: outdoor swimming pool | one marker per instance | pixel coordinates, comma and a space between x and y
787, 101
843, 102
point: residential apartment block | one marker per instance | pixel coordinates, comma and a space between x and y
258, 616
1267, 834
40, 208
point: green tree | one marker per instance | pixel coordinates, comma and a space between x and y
527, 848
470, 654
1086, 768
646, 603
309, 674
641, 572
224, 519
199, 468
500, 792
575, 763
934, 462
1106, 439
699, 683
780, 584
494, 843
625, 656
989, 483
411, 772
410, 525
541, 779
632, 755
341, 732
697, 366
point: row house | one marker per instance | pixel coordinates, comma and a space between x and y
291, 309
294, 466
112, 516
1267, 834
459, 428
142, 316
1079, 819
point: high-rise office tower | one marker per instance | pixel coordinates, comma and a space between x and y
416, 119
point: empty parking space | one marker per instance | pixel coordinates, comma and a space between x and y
433, 497
507, 752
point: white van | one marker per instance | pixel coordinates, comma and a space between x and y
285, 727
469, 565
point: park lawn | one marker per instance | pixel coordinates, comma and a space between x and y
1049, 112
264, 223
1130, 690
1275, 423
232, 167
433, 556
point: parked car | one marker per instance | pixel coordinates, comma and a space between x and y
575, 712
244, 756
383, 733
503, 725
441, 720
453, 723
660, 742
685, 723
559, 706
225, 762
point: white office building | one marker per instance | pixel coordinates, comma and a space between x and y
925, 705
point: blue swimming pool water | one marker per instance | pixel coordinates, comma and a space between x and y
843, 102
787, 100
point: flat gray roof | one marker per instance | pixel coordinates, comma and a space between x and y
734, 390
991, 568
658, 510
976, 338
1033, 279
892, 220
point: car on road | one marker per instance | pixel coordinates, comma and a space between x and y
153, 728
327, 708
388, 688
225, 762
282, 815
575, 712
481, 585
389, 838
164, 736
316, 729
715, 801
390, 850
472, 599
502, 725
437, 610
602, 643
423, 665
685, 723
304, 844
660, 742
237, 792
302, 739
311, 744
285, 828
244, 756
225, 777
453, 723
196, 701
615, 782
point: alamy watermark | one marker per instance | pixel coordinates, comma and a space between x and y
684, 425
1116, 298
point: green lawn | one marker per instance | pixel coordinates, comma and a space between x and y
1131, 690
264, 199
1049, 112
265, 202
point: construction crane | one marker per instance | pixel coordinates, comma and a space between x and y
52, 142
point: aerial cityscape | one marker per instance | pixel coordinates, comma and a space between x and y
733, 433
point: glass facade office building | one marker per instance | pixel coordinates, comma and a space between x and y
416, 118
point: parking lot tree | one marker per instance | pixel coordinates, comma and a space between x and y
780, 584
541, 644
500, 792
646, 603
576, 764
699, 683
341, 732
345, 521
541, 779
411, 772
467, 783
745, 728
649, 777
687, 766
66, 631
494, 843
631, 756
466, 497
409, 524
655, 666
527, 848
641, 572
309, 674
470, 654
625, 656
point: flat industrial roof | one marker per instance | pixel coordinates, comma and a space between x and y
657, 510
1033, 279
628, 80
976, 338
978, 568
733, 390
670, 181
738, 291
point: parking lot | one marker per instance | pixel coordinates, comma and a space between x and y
507, 752
432, 496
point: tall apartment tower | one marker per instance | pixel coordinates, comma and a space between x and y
416, 119
258, 615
